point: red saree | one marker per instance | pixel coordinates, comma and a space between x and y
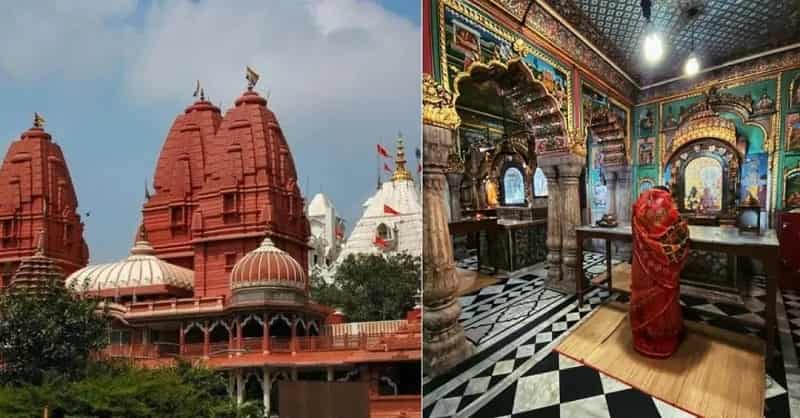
660, 248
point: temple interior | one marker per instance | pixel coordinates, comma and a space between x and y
551, 131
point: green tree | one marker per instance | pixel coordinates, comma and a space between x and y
114, 389
48, 332
371, 287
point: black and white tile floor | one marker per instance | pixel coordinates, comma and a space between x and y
516, 373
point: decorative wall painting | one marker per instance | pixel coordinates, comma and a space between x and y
703, 185
754, 178
646, 150
793, 132
794, 93
791, 189
465, 39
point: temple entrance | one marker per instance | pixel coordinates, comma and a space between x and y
508, 117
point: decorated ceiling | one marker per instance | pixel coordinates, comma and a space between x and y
724, 30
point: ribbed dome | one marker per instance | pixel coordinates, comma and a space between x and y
35, 271
270, 266
141, 268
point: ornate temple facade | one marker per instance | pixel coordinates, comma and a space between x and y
392, 217
218, 271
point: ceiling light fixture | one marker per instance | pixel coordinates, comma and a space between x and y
692, 65
653, 47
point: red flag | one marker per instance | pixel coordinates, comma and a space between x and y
382, 151
339, 233
386, 167
380, 242
388, 210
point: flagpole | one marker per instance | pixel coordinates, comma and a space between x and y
378, 166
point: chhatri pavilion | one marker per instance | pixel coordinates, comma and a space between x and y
612, 208
218, 271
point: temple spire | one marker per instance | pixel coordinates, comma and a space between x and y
400, 171
40, 243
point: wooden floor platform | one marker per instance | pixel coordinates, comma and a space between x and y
714, 373
470, 281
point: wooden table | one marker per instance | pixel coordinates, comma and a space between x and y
729, 240
475, 226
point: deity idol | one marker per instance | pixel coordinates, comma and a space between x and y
660, 249
491, 193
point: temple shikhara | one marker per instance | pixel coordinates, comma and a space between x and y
218, 271
611, 208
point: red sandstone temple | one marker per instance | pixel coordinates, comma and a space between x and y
218, 270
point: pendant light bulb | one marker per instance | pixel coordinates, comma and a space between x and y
653, 47
692, 66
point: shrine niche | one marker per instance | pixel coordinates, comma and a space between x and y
704, 176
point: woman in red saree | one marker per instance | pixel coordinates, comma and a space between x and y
660, 248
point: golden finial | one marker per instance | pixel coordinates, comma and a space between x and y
141, 234
252, 78
400, 171
38, 120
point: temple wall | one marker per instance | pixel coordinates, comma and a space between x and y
768, 155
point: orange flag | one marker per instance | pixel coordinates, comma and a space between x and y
380, 241
382, 151
388, 210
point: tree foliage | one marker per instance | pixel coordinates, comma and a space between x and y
371, 287
49, 331
120, 390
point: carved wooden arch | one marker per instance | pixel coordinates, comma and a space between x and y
533, 104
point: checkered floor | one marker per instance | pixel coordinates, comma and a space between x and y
515, 373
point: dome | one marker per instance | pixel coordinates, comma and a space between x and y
35, 271
141, 269
268, 266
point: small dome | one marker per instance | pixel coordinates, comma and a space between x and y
141, 268
268, 266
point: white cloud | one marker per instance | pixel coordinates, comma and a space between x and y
323, 53
74, 40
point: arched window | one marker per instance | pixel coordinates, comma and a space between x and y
513, 187
384, 232
539, 183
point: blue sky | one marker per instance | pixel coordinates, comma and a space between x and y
110, 77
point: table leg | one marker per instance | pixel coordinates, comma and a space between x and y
478, 243
608, 264
580, 277
771, 269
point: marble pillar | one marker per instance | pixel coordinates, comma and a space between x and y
266, 388
239, 386
553, 223
569, 172
444, 342
454, 186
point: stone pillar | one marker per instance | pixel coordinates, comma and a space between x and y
553, 223
454, 184
444, 342
329, 372
266, 388
569, 174
239, 387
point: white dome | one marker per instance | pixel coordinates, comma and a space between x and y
141, 268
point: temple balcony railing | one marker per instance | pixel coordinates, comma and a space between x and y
408, 338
